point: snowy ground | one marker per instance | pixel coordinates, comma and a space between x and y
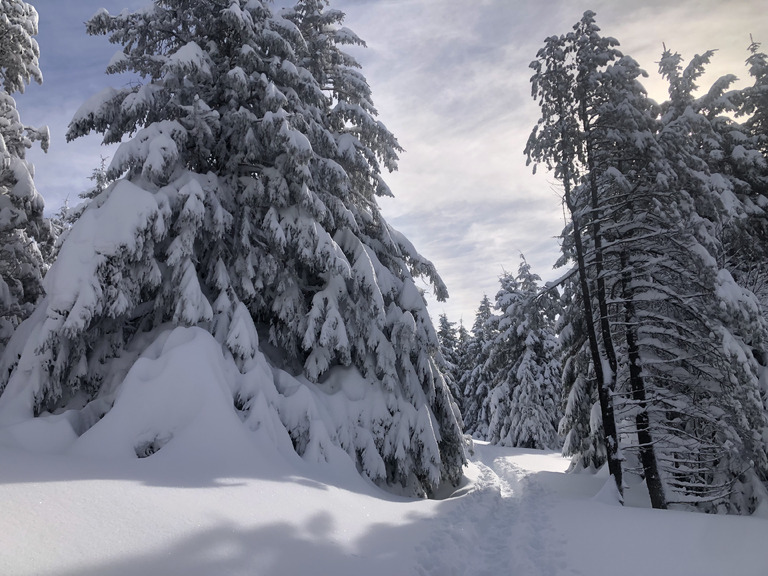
266, 513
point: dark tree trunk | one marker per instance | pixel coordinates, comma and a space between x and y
637, 384
609, 380
603, 392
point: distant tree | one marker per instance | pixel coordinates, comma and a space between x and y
475, 380
25, 235
246, 188
524, 402
463, 360
449, 350
68, 215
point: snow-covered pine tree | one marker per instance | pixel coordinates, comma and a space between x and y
537, 397
656, 229
69, 214
246, 191
501, 353
449, 350
475, 380
361, 146
524, 401
24, 234
462, 337
463, 361
659, 203
749, 245
755, 103
623, 161
753, 274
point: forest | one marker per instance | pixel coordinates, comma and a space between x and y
239, 217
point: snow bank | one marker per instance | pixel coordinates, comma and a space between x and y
175, 398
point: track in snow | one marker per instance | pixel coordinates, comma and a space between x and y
501, 526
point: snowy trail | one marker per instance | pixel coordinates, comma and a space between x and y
501, 526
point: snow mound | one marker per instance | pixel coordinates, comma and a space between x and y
175, 398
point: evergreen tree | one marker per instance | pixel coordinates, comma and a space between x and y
624, 163
501, 354
525, 399
715, 370
25, 236
568, 71
755, 104
475, 380
656, 203
250, 173
747, 249
67, 216
449, 350
581, 425
463, 360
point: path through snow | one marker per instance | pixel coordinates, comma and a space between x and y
501, 525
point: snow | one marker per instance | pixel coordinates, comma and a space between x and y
95, 106
215, 495
99, 234
190, 58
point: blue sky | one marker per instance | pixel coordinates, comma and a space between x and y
451, 80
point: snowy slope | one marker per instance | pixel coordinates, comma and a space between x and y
220, 498
518, 514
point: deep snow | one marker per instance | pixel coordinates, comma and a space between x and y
260, 512
225, 496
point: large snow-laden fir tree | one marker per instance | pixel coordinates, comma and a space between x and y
23, 230
245, 204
